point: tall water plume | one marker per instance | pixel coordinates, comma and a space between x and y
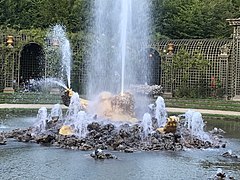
196, 125
59, 54
74, 107
42, 118
147, 125
119, 47
160, 112
56, 112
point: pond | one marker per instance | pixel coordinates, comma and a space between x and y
33, 161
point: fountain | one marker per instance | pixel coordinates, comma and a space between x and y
118, 56
80, 129
58, 39
42, 117
161, 113
196, 125
147, 125
108, 120
56, 112
59, 55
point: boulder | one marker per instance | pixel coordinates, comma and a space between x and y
129, 150
99, 154
2, 140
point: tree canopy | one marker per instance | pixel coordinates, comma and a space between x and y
26, 14
170, 18
196, 18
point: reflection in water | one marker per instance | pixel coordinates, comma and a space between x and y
231, 127
32, 161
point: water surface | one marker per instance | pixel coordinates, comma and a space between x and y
32, 161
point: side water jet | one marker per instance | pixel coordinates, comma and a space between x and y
58, 55
58, 39
48, 82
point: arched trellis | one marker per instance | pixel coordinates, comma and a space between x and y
31, 64
11, 45
155, 64
10, 55
216, 52
222, 55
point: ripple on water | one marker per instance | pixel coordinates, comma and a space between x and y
32, 161
3, 126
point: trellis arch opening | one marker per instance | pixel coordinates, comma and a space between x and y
32, 63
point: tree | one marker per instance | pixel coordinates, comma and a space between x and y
195, 18
170, 18
26, 14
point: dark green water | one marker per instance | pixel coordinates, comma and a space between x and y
32, 161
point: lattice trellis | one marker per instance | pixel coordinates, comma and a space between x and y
2, 77
216, 52
234, 87
223, 56
10, 58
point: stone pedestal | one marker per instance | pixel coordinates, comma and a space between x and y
167, 95
55, 91
236, 98
8, 90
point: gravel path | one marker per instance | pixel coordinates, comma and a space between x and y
179, 110
205, 111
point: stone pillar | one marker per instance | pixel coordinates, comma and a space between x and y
234, 66
9, 72
224, 69
166, 75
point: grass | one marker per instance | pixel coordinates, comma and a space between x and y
16, 112
211, 104
30, 98
213, 116
46, 98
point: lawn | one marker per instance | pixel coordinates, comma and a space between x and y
30, 98
212, 104
46, 98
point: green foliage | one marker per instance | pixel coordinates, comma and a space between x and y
179, 70
80, 42
195, 18
184, 62
53, 57
26, 14
170, 18
217, 90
